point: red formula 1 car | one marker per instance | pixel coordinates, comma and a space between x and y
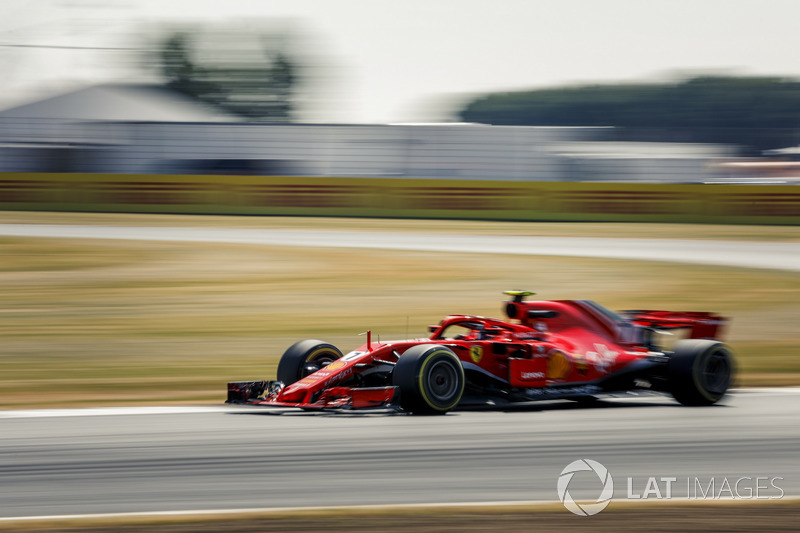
562, 349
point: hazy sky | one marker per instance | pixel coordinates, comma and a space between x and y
392, 59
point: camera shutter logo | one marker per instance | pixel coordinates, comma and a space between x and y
585, 465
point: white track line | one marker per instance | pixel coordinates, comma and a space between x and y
114, 411
199, 409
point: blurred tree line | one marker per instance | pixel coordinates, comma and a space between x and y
756, 113
255, 84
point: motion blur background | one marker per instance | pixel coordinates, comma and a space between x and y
522, 90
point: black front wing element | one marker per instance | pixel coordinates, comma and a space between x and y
242, 391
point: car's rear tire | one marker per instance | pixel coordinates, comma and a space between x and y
305, 357
700, 371
430, 378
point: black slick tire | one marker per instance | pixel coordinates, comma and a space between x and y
430, 378
700, 371
305, 357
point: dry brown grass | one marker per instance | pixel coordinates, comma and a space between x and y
665, 517
110, 322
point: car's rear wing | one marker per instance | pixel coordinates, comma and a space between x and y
700, 324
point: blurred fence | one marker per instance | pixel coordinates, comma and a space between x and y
411, 198
428, 171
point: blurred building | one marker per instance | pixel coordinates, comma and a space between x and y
79, 130
148, 129
656, 162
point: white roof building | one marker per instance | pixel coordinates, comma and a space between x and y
118, 103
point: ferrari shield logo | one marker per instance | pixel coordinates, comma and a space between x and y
476, 352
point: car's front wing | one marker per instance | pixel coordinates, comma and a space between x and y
268, 393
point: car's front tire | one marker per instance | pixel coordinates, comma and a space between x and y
430, 378
700, 371
305, 357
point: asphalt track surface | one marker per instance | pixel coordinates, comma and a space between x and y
749, 254
134, 460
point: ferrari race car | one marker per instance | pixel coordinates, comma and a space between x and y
561, 349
